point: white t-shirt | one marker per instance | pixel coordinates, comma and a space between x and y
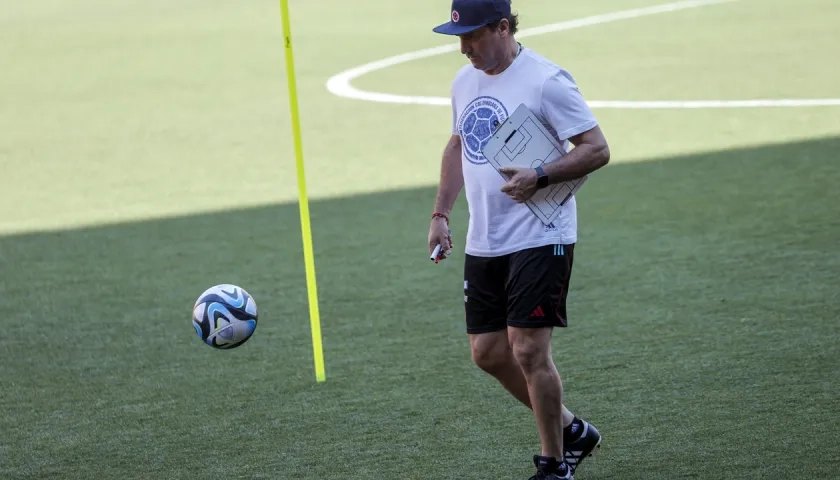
497, 224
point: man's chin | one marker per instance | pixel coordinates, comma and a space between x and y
478, 64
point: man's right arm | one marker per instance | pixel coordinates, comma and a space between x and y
451, 177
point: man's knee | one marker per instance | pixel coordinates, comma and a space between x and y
532, 348
491, 351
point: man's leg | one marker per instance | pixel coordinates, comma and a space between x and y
537, 283
492, 353
580, 438
486, 308
532, 350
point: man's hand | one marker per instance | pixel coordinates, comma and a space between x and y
521, 184
439, 234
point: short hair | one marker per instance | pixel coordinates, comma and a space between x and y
513, 20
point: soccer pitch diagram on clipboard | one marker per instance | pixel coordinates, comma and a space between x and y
522, 141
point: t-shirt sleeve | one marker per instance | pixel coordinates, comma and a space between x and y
564, 108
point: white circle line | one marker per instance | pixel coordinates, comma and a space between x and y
340, 84
687, 104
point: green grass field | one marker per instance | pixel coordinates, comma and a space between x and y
146, 154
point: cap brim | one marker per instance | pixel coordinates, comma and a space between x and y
452, 28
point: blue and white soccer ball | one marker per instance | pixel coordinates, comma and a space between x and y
225, 316
479, 127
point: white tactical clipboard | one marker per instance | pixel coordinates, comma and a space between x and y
522, 141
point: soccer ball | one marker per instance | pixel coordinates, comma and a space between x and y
225, 316
479, 127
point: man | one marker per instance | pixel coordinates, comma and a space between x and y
516, 270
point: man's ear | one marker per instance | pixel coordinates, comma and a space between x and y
504, 27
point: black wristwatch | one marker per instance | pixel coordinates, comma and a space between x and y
542, 178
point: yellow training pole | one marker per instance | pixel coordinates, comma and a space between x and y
306, 229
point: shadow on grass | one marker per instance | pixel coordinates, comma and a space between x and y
704, 308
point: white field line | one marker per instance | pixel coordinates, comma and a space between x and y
341, 86
766, 103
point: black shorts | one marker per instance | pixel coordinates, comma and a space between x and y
522, 289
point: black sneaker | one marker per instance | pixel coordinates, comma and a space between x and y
585, 446
549, 468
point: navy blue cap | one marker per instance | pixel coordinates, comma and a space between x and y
469, 15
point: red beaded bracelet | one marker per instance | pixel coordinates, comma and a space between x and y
436, 214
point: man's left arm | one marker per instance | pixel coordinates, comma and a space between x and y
566, 111
591, 152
